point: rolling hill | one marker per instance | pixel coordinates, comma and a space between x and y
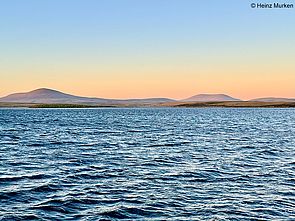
210, 98
49, 96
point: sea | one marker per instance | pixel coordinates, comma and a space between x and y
147, 164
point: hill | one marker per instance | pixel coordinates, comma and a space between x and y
210, 98
49, 96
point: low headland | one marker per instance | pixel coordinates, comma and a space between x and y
225, 104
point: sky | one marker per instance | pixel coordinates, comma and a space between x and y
147, 48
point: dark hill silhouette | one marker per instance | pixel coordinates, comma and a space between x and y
49, 96
211, 98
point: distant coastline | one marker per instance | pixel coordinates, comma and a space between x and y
49, 98
226, 104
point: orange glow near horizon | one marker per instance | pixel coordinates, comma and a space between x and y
168, 84
255, 74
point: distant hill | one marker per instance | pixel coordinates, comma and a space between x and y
273, 99
49, 96
211, 98
44, 95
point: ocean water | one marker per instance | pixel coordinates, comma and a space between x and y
147, 164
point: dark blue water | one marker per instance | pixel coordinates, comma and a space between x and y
147, 164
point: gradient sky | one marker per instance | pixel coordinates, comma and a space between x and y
147, 48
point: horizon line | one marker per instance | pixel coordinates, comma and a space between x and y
131, 98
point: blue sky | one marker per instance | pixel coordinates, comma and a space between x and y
45, 42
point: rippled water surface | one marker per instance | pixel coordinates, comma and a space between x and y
147, 164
